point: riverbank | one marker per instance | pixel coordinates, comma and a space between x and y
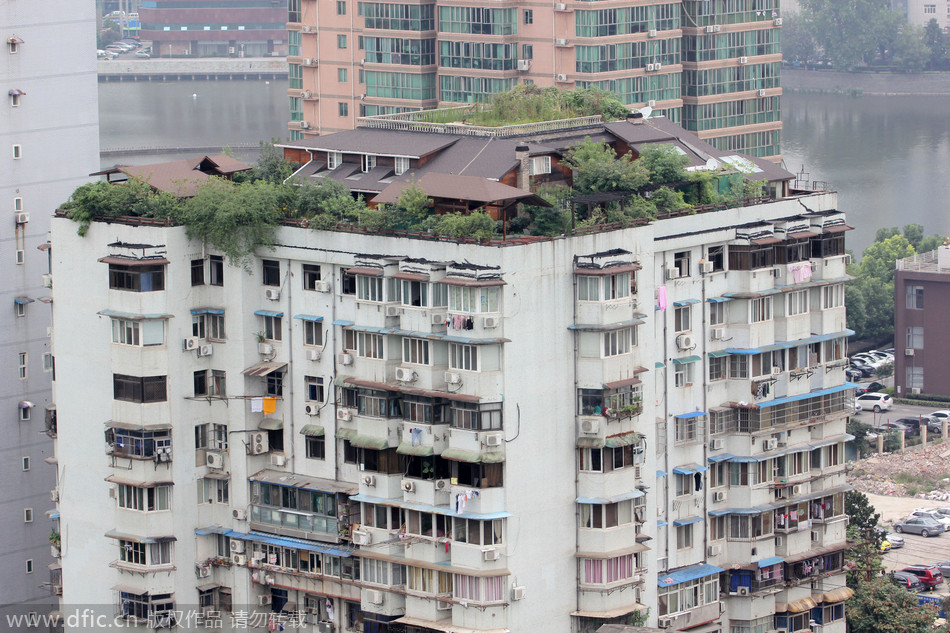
883, 84
161, 69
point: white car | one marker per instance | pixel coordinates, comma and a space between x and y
942, 519
941, 415
856, 406
875, 401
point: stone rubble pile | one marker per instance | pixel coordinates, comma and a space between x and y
876, 474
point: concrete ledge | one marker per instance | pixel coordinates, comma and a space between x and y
136, 69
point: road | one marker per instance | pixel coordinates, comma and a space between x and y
918, 549
878, 420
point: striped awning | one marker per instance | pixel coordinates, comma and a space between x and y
312, 430
837, 595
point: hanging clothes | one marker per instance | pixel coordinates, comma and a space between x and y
661, 298
257, 405
269, 405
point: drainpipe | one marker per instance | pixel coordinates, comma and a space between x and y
289, 401
326, 333
704, 332
577, 508
666, 414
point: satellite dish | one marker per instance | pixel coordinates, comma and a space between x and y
646, 112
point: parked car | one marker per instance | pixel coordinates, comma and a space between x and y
936, 516
915, 423
893, 426
869, 387
865, 369
896, 540
929, 575
942, 414
853, 374
856, 405
919, 525
876, 401
943, 566
142, 54
874, 360
910, 582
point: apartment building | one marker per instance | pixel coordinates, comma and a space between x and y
712, 67
46, 55
410, 434
919, 306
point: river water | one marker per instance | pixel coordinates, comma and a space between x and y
888, 157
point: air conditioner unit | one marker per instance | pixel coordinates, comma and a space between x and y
769, 444
47, 281
651, 33
406, 374
239, 559
306, 28
442, 484
524, 64
777, 21
215, 460
239, 514
54, 495
909, 351
309, 61
651, 103
761, 92
719, 496
797, 490
202, 571
713, 550
325, 627
22, 217
711, 29
650, 69
306, 94
779, 541
718, 333
265, 348
915, 391
706, 267
344, 359
258, 443
743, 60
278, 460
273, 293
237, 547
665, 623
560, 6
322, 286
311, 409
453, 378
493, 439
639, 513
263, 601
205, 350
314, 355
685, 342
368, 480
373, 596
344, 415
190, 343
438, 318
490, 554
672, 270
716, 444
560, 42
815, 536
776, 370
392, 311
743, 591
490, 323
443, 606
361, 537
782, 438
58, 590
658, 66
590, 427
408, 486
304, 125
562, 77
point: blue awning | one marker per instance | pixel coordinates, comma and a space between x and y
685, 302
685, 575
632, 494
719, 299
661, 473
308, 317
661, 523
23, 300
284, 541
659, 365
342, 322
687, 521
446, 510
689, 469
818, 338
718, 354
607, 327
715, 459
688, 359
211, 529
755, 510
208, 311
810, 394
691, 414
771, 560
54, 514
268, 313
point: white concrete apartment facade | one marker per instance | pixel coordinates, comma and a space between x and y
559, 379
50, 141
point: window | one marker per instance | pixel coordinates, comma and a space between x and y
689, 429
136, 278
209, 326
716, 255
216, 270
683, 375
490, 589
25, 463
915, 297
915, 337
474, 416
717, 368
539, 165
132, 552
210, 383
369, 288
688, 595
311, 275
930, 8
18, 203
833, 296
915, 378
29, 565
334, 160
797, 303
314, 386
271, 272
213, 490
684, 536
527, 51
211, 437
528, 16
19, 309
143, 499
366, 345
619, 341
413, 293
48, 361
367, 161
608, 515
681, 263
739, 366
144, 444
275, 387
14, 44
272, 330
402, 165
15, 98
21, 365
197, 272
316, 447
341, 7
682, 321
25, 412
341, 75
599, 571
341, 41
17, 152
141, 389
343, 108
761, 309
464, 357
313, 333
147, 332
469, 299
28, 515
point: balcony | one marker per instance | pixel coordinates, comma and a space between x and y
834, 267
381, 485
377, 315
482, 325
423, 439
695, 617
793, 328
376, 433
746, 281
615, 485
413, 319
600, 313
430, 492
382, 602
431, 608
600, 541
425, 377
477, 500
293, 523
616, 429
479, 557
829, 320
485, 447
427, 550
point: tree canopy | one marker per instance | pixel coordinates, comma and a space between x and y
597, 167
880, 606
